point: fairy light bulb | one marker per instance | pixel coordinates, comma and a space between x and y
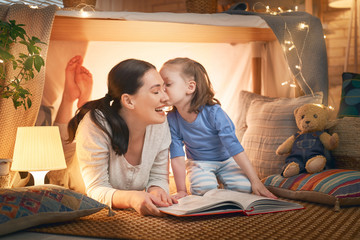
83, 13
297, 67
292, 47
302, 26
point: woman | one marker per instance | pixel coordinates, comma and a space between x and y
122, 140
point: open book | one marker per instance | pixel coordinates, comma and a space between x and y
219, 201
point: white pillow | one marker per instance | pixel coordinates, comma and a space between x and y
245, 98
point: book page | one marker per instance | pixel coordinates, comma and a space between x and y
243, 199
193, 203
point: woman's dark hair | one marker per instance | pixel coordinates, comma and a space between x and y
125, 77
204, 93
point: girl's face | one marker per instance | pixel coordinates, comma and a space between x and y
150, 99
175, 84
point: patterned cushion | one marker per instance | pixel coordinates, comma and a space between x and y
335, 186
350, 95
21, 208
270, 122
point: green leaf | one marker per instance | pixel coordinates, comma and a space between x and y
38, 62
28, 63
29, 103
5, 55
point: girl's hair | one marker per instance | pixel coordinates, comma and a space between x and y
125, 77
204, 92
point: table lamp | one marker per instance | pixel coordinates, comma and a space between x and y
38, 150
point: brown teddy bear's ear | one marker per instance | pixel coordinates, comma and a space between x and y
296, 110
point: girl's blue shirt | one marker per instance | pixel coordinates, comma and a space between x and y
211, 137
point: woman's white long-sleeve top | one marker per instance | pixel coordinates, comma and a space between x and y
104, 171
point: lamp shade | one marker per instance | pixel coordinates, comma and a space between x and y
38, 149
340, 3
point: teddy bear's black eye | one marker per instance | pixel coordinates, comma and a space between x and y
302, 117
315, 115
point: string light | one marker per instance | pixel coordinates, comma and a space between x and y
289, 44
83, 13
302, 26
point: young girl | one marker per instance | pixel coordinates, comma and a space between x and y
212, 148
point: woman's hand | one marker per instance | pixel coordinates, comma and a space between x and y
165, 198
145, 203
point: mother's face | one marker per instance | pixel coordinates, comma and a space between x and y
150, 99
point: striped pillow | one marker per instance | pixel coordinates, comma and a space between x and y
339, 187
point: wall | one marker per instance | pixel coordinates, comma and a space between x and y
336, 24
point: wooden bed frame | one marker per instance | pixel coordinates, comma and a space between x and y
100, 29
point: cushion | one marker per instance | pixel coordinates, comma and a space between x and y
334, 186
347, 154
270, 122
25, 207
245, 99
44, 116
350, 95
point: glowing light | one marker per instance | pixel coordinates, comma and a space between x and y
292, 47
33, 6
1, 61
302, 26
284, 83
297, 67
83, 13
296, 8
293, 85
288, 42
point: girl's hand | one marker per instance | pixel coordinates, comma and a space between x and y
180, 194
166, 199
259, 188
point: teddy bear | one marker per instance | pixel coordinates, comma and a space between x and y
307, 146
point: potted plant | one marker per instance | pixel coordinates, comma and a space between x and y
24, 65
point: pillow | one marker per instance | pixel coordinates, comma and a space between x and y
44, 116
25, 207
245, 99
335, 186
350, 95
347, 154
270, 122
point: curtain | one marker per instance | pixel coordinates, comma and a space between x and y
38, 22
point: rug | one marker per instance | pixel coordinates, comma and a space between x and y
315, 222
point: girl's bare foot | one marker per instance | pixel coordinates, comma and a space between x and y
84, 81
71, 89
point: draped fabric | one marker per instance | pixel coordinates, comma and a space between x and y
309, 53
38, 23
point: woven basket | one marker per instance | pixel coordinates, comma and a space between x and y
77, 3
347, 154
201, 6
